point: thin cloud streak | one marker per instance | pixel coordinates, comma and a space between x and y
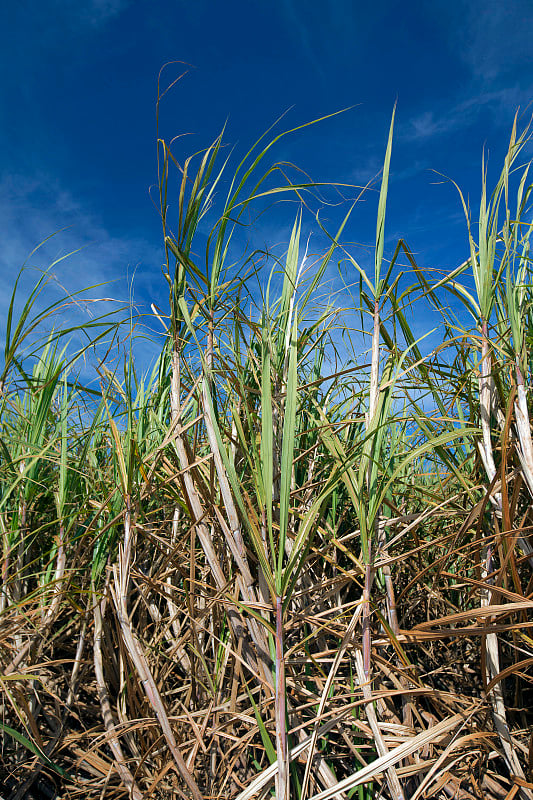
429, 125
120, 268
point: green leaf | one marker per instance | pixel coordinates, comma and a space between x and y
33, 748
287, 452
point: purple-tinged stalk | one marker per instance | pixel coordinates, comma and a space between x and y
525, 449
22, 540
367, 633
282, 777
486, 395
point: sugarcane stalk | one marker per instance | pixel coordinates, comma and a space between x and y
525, 446
486, 393
257, 664
381, 747
282, 777
369, 577
120, 598
103, 695
492, 657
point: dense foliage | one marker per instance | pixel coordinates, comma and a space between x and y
295, 559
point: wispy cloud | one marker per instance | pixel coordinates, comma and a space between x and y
370, 171
93, 13
36, 28
431, 124
100, 11
86, 254
495, 38
492, 40
302, 35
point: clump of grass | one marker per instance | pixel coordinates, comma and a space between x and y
265, 569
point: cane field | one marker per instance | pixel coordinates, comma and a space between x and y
293, 558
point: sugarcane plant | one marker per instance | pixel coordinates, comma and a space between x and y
292, 558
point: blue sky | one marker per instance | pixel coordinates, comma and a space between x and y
77, 116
